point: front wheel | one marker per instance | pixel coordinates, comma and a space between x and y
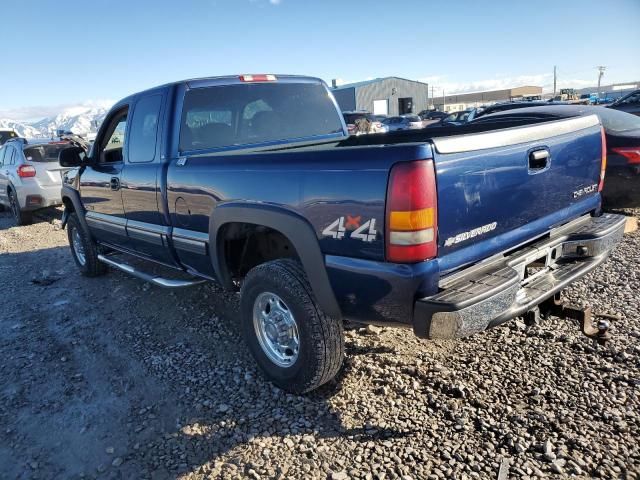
84, 249
295, 344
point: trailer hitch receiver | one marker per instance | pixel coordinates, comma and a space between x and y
582, 315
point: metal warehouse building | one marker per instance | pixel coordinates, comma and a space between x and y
462, 101
383, 96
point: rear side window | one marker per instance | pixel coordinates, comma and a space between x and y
2, 152
144, 129
247, 114
44, 153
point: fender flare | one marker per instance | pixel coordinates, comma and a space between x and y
74, 197
290, 224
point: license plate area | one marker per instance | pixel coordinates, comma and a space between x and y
535, 269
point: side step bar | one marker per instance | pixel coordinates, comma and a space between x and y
159, 281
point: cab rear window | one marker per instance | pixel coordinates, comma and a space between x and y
258, 113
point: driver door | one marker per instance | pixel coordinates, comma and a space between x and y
100, 181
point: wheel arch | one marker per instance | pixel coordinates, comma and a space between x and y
72, 203
295, 228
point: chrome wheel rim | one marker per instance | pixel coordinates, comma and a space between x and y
276, 329
78, 248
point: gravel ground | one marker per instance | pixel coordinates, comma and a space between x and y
113, 378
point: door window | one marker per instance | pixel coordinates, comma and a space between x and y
144, 129
2, 152
114, 138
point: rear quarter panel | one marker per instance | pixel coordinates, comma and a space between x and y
322, 186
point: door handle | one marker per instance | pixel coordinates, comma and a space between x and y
115, 183
539, 159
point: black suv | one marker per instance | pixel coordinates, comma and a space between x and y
630, 103
431, 115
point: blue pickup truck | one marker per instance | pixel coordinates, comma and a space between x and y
252, 182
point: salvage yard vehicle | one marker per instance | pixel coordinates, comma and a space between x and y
252, 182
7, 134
402, 122
622, 138
353, 119
630, 103
30, 177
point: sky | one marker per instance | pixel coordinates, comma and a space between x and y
65, 54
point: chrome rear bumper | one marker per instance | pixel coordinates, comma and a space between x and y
491, 293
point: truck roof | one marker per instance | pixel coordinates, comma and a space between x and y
226, 80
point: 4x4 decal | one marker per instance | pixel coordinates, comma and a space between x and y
365, 232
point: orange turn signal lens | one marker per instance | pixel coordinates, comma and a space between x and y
411, 220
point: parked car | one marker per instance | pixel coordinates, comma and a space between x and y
432, 114
403, 122
7, 134
30, 177
252, 181
622, 135
630, 103
353, 119
430, 117
456, 118
503, 107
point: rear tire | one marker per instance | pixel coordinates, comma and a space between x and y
320, 338
84, 249
19, 216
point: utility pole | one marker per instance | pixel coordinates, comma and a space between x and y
555, 77
601, 69
427, 96
444, 101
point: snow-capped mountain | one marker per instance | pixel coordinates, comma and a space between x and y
23, 129
81, 120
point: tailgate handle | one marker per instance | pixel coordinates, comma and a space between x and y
539, 159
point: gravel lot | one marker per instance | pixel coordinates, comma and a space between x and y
113, 378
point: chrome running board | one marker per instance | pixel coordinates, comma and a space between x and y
159, 281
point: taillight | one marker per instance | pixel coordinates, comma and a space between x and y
603, 163
258, 78
632, 154
412, 216
26, 171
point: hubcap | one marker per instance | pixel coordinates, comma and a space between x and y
276, 329
78, 248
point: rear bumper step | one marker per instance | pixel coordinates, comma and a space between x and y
156, 280
514, 284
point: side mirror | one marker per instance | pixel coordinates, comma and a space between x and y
72, 157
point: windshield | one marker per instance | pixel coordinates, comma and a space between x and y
238, 115
44, 153
413, 118
617, 121
4, 136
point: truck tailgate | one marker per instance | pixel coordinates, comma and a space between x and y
492, 186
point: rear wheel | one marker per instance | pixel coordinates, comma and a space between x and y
84, 249
20, 217
295, 344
